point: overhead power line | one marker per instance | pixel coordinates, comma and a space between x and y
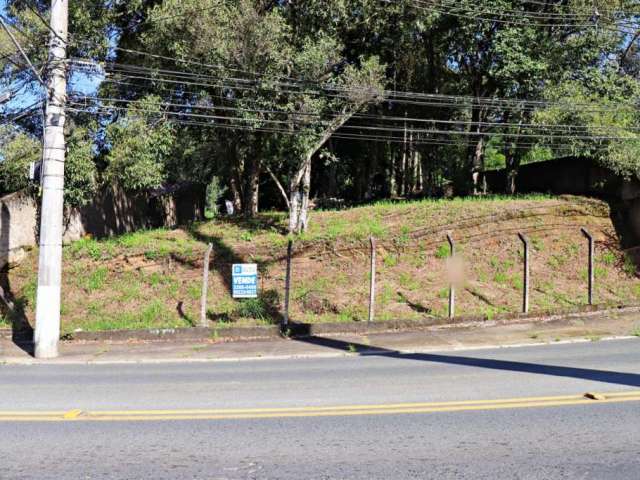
417, 140
409, 122
413, 129
204, 80
524, 18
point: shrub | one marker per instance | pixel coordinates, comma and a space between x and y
215, 191
252, 308
18, 151
262, 308
443, 251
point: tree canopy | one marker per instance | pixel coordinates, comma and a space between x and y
381, 98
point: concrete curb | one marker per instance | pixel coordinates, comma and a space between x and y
305, 330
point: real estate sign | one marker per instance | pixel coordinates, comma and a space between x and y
245, 280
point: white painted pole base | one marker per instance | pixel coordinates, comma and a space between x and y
47, 330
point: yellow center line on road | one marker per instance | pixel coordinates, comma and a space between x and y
72, 414
339, 410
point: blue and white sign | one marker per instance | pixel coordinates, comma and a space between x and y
245, 280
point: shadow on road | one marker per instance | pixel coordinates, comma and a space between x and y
605, 376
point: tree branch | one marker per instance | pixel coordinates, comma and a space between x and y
279, 185
326, 135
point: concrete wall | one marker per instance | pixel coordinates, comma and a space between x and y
111, 212
582, 176
18, 220
570, 175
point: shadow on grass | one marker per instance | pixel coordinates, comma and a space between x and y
416, 307
259, 223
222, 257
183, 315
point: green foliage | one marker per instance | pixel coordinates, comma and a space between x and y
443, 251
408, 281
390, 260
215, 191
312, 66
604, 102
154, 314
260, 308
86, 246
517, 283
18, 150
500, 277
80, 173
141, 144
252, 308
608, 258
629, 265
96, 279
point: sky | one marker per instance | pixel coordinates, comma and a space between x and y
78, 83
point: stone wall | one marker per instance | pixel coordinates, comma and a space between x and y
111, 212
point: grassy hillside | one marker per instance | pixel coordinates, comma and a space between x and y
153, 278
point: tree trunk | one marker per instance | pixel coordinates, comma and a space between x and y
301, 181
418, 169
332, 175
369, 173
235, 184
279, 186
512, 165
402, 183
512, 158
476, 151
251, 187
477, 166
299, 200
426, 163
393, 180
303, 216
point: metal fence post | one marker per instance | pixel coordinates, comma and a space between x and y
372, 281
205, 286
591, 272
452, 289
287, 285
525, 293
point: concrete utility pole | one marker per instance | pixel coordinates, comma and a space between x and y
47, 330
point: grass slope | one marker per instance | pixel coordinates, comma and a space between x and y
153, 278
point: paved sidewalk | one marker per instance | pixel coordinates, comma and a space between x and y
587, 329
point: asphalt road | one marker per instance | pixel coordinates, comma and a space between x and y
363, 417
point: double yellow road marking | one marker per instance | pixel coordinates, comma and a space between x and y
342, 410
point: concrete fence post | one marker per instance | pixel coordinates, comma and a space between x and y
287, 285
452, 288
205, 287
591, 272
372, 281
525, 290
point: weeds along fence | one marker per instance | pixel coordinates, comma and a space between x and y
545, 268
